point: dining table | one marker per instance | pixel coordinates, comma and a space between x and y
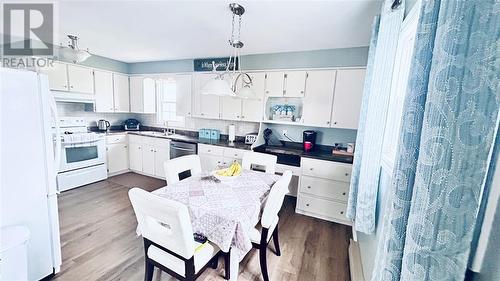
224, 210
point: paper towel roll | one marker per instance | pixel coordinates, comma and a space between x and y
232, 132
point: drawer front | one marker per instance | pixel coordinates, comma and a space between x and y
135, 138
322, 207
326, 169
163, 143
233, 153
210, 149
111, 139
337, 190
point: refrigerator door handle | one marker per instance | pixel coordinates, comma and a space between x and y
57, 154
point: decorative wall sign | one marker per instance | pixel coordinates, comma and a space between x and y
206, 64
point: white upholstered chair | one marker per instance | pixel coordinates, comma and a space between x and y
177, 169
168, 237
262, 159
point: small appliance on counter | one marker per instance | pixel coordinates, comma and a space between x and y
309, 140
250, 138
231, 133
103, 125
209, 134
132, 124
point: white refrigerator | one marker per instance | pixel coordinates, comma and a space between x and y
28, 193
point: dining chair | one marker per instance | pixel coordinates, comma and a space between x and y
261, 159
166, 229
182, 167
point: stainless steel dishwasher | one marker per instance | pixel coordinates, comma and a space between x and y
178, 149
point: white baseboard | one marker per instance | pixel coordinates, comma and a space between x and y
355, 266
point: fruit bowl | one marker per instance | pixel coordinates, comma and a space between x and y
224, 178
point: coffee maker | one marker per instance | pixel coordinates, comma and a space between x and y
309, 140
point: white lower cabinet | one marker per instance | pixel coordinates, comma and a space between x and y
323, 190
147, 155
212, 157
117, 154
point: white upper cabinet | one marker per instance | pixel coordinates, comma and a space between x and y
231, 108
205, 106
121, 93
81, 79
183, 95
318, 98
295, 83
142, 94
275, 84
251, 109
103, 91
58, 76
347, 99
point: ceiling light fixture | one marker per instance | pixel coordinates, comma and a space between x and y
73, 52
219, 85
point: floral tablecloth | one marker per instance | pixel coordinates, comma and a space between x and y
226, 211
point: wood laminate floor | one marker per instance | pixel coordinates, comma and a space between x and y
99, 242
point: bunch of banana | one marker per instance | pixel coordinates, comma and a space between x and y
233, 170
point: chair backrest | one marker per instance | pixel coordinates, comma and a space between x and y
262, 159
174, 168
163, 221
275, 199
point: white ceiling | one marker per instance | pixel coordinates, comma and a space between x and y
135, 31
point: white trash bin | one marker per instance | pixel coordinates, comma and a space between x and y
13, 253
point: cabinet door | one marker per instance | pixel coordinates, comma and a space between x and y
318, 98
135, 156
58, 76
117, 157
206, 106
148, 160
210, 162
121, 92
231, 108
103, 91
347, 98
275, 84
81, 79
136, 95
162, 154
295, 84
253, 110
184, 91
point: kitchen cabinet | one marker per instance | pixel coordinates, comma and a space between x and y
135, 156
117, 154
58, 76
215, 157
121, 92
103, 91
318, 99
324, 189
347, 99
205, 106
286, 84
149, 154
80, 79
231, 108
70, 78
142, 95
184, 95
253, 109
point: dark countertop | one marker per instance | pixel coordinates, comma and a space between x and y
295, 151
189, 137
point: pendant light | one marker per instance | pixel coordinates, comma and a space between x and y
225, 84
73, 52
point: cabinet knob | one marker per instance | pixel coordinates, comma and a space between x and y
335, 123
301, 92
139, 147
341, 212
125, 146
346, 174
189, 113
308, 186
202, 114
242, 117
343, 193
237, 116
311, 169
236, 155
327, 122
209, 150
307, 204
71, 86
267, 92
65, 86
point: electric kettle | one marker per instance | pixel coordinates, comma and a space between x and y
103, 125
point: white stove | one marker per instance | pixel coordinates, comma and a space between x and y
83, 154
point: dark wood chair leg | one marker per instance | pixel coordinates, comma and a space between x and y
189, 269
227, 264
149, 268
262, 253
215, 262
276, 241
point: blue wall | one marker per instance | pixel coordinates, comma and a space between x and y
305, 59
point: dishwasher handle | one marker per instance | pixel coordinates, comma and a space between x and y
183, 149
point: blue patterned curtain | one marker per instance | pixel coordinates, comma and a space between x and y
450, 115
366, 166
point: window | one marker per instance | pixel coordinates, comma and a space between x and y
167, 103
